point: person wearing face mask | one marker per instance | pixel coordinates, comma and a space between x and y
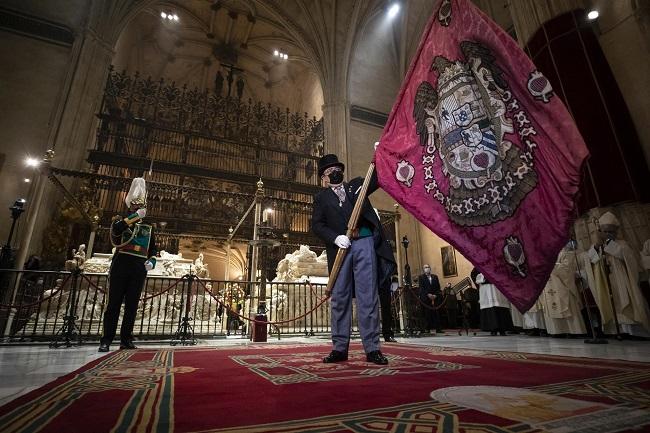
613, 266
431, 299
368, 264
135, 255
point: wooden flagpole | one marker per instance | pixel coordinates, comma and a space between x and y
352, 225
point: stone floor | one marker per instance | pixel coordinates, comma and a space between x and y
24, 368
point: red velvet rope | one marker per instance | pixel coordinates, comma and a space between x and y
93, 284
141, 299
434, 308
227, 307
9, 306
163, 292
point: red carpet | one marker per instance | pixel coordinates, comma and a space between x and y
286, 388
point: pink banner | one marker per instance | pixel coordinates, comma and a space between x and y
480, 149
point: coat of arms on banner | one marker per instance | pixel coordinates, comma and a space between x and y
468, 120
479, 150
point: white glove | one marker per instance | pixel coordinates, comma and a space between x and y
376, 144
148, 265
342, 241
141, 212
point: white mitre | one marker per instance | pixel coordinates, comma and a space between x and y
608, 219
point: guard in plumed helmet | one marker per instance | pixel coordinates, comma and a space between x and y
135, 254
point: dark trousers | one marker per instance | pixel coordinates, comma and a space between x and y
452, 314
358, 275
125, 280
386, 313
431, 318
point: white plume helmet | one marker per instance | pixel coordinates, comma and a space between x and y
137, 193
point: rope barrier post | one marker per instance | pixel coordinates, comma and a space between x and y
259, 330
410, 331
400, 274
259, 195
70, 330
185, 333
224, 311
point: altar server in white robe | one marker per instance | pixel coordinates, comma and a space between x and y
560, 297
631, 308
495, 314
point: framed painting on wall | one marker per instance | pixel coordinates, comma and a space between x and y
448, 255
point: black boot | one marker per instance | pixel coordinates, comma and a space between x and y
376, 358
127, 345
335, 356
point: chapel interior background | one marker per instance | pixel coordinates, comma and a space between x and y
115, 89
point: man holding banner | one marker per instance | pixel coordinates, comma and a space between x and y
368, 261
480, 149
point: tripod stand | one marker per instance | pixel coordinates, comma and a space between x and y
68, 333
411, 323
185, 332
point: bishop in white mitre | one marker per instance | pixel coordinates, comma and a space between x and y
631, 308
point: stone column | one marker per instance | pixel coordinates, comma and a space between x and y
76, 129
75, 118
336, 116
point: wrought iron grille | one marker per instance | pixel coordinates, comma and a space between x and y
158, 114
200, 210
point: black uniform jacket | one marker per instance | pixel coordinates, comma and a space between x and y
330, 220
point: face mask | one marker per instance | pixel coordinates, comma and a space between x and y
336, 177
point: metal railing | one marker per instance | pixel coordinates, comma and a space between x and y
42, 299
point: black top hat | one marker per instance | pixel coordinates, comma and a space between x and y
328, 161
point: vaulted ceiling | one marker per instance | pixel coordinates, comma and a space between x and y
339, 50
207, 37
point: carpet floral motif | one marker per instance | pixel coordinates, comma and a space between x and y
287, 388
309, 367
